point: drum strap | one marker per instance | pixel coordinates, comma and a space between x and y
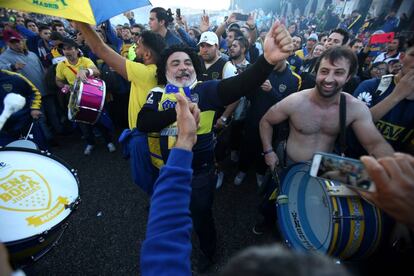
342, 124
70, 68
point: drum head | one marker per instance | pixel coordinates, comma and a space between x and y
74, 99
36, 191
305, 218
27, 144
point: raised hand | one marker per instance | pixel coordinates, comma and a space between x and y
405, 86
278, 44
394, 182
204, 23
188, 117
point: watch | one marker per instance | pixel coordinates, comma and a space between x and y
223, 119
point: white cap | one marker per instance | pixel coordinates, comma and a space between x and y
313, 36
209, 38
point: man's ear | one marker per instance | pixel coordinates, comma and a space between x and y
162, 22
402, 56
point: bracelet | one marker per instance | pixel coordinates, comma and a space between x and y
267, 151
90, 72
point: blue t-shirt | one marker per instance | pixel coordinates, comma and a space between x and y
397, 126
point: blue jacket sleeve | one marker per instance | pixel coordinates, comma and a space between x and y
112, 37
166, 249
25, 32
187, 38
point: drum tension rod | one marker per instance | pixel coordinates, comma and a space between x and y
336, 216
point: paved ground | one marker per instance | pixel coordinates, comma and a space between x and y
105, 233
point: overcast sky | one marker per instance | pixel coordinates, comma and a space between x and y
210, 4
142, 14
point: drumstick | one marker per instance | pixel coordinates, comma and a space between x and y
12, 103
28, 133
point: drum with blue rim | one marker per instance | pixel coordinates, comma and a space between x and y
315, 214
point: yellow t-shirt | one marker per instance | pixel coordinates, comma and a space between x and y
143, 79
63, 71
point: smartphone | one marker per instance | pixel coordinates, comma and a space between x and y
242, 17
178, 13
347, 171
382, 38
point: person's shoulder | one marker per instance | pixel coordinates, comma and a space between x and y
369, 85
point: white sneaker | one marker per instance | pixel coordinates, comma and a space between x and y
239, 178
259, 179
220, 178
111, 147
234, 156
88, 149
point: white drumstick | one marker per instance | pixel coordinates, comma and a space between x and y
12, 103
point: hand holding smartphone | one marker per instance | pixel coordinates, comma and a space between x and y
350, 172
241, 17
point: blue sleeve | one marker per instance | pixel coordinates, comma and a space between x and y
187, 38
112, 37
25, 32
166, 249
365, 91
131, 21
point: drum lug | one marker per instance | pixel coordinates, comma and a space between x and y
41, 239
336, 216
73, 205
341, 190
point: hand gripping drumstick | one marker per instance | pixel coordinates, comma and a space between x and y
12, 103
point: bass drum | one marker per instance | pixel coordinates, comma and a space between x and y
315, 214
38, 193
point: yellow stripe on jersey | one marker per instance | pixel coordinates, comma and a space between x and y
37, 97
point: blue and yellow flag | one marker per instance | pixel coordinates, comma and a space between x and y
90, 11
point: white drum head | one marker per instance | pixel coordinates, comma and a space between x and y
27, 144
35, 192
306, 219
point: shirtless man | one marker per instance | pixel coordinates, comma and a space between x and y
313, 114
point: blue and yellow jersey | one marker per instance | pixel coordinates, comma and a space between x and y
206, 96
11, 82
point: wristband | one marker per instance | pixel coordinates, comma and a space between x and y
267, 151
90, 72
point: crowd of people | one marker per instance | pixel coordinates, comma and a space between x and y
268, 96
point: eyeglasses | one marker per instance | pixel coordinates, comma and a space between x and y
136, 34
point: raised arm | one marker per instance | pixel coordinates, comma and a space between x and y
404, 88
366, 132
103, 51
277, 46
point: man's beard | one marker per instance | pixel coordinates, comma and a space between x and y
187, 83
328, 94
234, 56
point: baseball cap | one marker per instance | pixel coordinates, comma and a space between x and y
209, 38
9, 35
313, 36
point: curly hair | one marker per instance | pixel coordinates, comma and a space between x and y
163, 14
162, 62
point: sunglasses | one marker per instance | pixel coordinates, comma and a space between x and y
136, 34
